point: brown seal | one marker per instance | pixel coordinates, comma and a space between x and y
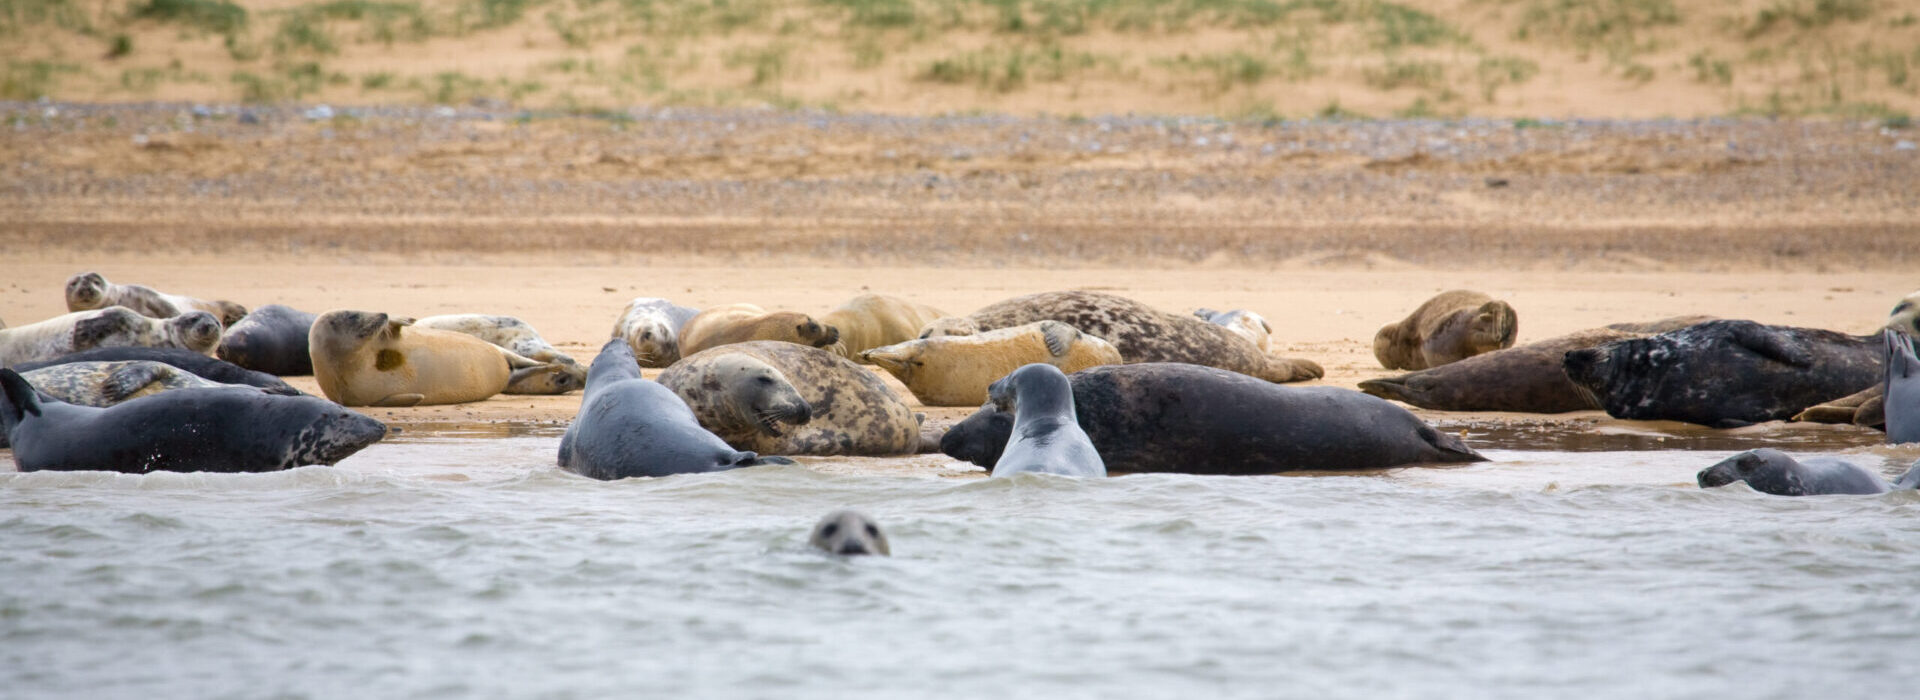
1527, 379
1450, 327
363, 358
956, 370
773, 397
740, 323
869, 321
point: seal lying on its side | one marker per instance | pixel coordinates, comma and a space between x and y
1868, 407
630, 427
271, 339
514, 335
1248, 324
1772, 471
651, 327
956, 370
1046, 437
103, 384
200, 365
114, 326
1724, 374
188, 430
1527, 379
745, 392
849, 533
90, 290
740, 323
363, 358
1165, 417
869, 321
1450, 327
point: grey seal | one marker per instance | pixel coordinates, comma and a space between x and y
776, 397
1527, 379
628, 426
1772, 471
651, 326
1046, 437
103, 384
848, 533
271, 339
1901, 404
200, 365
90, 290
114, 326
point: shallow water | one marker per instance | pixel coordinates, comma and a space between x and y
454, 563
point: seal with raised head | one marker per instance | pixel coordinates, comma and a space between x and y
362, 358
849, 533
90, 290
1724, 374
103, 384
871, 320
1248, 324
741, 323
1772, 471
271, 339
1526, 379
1141, 333
956, 370
629, 427
187, 430
774, 397
1046, 437
1901, 389
219, 371
114, 326
1166, 417
1867, 408
563, 375
651, 327
1450, 327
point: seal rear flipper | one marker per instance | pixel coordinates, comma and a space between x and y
129, 380
753, 459
1909, 480
1452, 448
21, 400
1900, 359
1281, 370
518, 361
400, 401
1872, 413
1394, 388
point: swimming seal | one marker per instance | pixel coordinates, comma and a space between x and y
628, 427
1772, 471
561, 376
363, 358
1724, 374
271, 339
869, 321
849, 533
775, 397
1046, 437
956, 370
740, 323
1450, 327
114, 326
1901, 404
90, 290
186, 430
1167, 417
651, 327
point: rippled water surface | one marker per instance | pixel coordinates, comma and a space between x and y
439, 564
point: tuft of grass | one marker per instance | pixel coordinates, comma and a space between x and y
63, 14
303, 31
1808, 14
1398, 74
1007, 70
878, 14
26, 80
215, 16
120, 46
1332, 111
769, 63
1586, 24
1710, 70
1228, 69
376, 81
1495, 72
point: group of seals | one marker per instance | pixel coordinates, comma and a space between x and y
363, 358
629, 427
1772, 471
775, 397
1450, 327
90, 290
956, 370
561, 374
1046, 437
651, 327
114, 326
740, 323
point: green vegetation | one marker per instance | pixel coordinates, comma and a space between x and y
26, 80
65, 14
1398, 74
216, 16
1009, 69
1809, 14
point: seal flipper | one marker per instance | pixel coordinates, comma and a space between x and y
1058, 336
129, 380
518, 361
1909, 480
400, 401
1390, 388
1772, 346
753, 459
21, 400
1451, 447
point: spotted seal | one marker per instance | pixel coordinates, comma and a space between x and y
90, 290
1140, 332
114, 326
210, 369
871, 320
103, 384
775, 397
563, 375
739, 323
1775, 472
628, 427
1450, 327
271, 339
956, 370
185, 430
1046, 437
1248, 324
363, 358
651, 327
849, 533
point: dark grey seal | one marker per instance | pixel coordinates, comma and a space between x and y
1724, 374
1165, 417
186, 430
1901, 392
206, 367
1046, 437
849, 533
629, 426
270, 339
1772, 471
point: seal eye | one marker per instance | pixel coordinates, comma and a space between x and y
831, 529
646, 335
872, 531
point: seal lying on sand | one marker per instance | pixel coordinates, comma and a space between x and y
869, 321
90, 290
1527, 379
1724, 374
363, 358
956, 370
849, 533
1140, 332
114, 326
187, 430
1450, 327
1248, 324
200, 365
271, 339
774, 397
651, 327
630, 427
1772, 471
740, 323
1166, 417
521, 339
1046, 437
103, 384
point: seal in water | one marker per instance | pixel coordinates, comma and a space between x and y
1868, 407
1902, 388
114, 326
849, 533
272, 339
775, 397
1450, 327
362, 358
651, 326
1772, 471
740, 323
1165, 417
1527, 379
205, 367
562, 375
630, 427
869, 321
1046, 437
187, 430
956, 370
1724, 374
90, 290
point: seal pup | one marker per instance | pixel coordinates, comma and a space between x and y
1450, 327
775, 397
1772, 471
849, 533
871, 320
651, 326
1141, 333
740, 323
1248, 324
207, 368
521, 339
362, 358
114, 326
628, 426
1901, 390
1527, 379
186, 430
271, 339
956, 370
103, 384
1724, 374
1169, 417
1046, 437
89, 290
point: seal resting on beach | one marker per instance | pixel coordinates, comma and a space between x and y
1166, 417
114, 326
562, 375
628, 427
651, 327
956, 370
1528, 379
186, 430
89, 290
1248, 324
849, 533
207, 368
740, 323
869, 321
1867, 408
1450, 327
103, 384
1772, 471
775, 397
271, 339
363, 358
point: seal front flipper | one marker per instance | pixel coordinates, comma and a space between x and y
1909, 480
129, 380
1770, 345
400, 401
751, 459
1058, 336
